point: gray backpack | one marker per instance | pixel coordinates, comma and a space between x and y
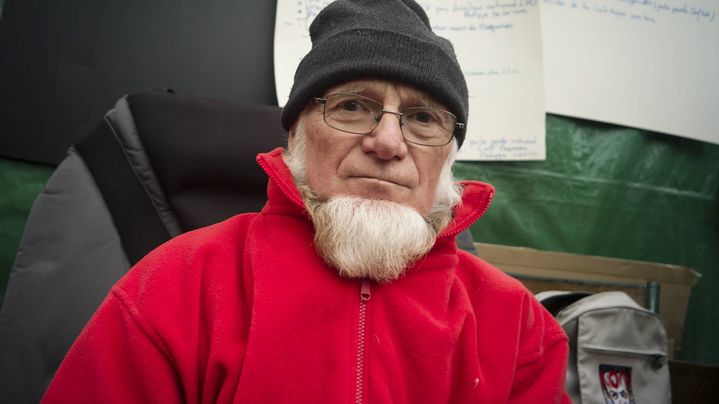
617, 349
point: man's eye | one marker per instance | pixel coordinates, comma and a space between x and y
423, 117
350, 105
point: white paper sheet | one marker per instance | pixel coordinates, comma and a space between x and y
641, 63
498, 44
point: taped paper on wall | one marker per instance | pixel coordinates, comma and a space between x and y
649, 64
498, 44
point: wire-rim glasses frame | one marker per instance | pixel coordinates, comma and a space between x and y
360, 115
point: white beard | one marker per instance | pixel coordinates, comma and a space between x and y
365, 238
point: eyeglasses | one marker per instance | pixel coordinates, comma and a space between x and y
360, 115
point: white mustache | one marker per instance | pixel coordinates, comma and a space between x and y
393, 180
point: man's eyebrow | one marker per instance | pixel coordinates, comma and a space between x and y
427, 102
352, 89
420, 100
414, 99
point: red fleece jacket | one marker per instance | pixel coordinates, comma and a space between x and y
245, 311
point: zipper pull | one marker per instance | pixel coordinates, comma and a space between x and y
365, 293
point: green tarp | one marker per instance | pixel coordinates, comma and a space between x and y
616, 192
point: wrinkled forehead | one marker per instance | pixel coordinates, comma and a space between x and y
377, 89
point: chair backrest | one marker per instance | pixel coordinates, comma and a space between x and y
157, 165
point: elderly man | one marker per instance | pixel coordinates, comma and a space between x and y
348, 285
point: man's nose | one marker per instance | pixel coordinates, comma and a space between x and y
386, 140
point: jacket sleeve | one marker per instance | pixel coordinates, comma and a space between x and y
116, 359
542, 362
173, 329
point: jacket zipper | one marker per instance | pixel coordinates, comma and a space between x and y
365, 295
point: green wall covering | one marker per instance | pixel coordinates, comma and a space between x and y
20, 183
603, 190
616, 192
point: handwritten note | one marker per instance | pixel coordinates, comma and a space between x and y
650, 64
498, 44
649, 11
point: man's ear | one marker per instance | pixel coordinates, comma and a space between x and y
293, 129
291, 135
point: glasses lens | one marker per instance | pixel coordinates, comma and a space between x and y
428, 126
351, 113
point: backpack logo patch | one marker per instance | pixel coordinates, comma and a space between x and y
616, 384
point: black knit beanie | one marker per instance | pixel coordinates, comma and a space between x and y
384, 39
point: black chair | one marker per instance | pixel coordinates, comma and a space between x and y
157, 165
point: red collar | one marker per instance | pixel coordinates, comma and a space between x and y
476, 195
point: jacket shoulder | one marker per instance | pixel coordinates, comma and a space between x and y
189, 263
479, 274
